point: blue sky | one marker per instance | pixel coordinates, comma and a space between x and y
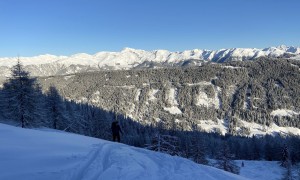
64, 27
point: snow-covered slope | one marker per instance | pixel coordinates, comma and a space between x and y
35, 154
130, 58
261, 170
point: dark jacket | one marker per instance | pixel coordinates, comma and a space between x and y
115, 128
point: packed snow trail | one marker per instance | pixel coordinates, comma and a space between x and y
117, 161
34, 155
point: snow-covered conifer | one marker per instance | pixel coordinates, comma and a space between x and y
20, 95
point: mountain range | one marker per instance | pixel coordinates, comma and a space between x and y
128, 58
226, 92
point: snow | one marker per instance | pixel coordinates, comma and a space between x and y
172, 101
125, 86
231, 67
68, 77
204, 100
157, 119
296, 57
95, 98
172, 97
212, 126
152, 94
247, 103
47, 154
202, 83
173, 110
82, 100
36, 60
294, 65
131, 110
273, 129
284, 112
255, 129
261, 170
178, 121
129, 58
137, 95
231, 90
97, 93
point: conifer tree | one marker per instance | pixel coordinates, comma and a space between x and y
198, 150
20, 95
286, 163
165, 143
285, 160
55, 109
225, 161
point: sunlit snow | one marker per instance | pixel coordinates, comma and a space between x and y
283, 112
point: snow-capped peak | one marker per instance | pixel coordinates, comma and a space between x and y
128, 49
283, 47
130, 57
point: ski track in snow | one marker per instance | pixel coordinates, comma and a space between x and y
110, 161
101, 161
97, 158
98, 164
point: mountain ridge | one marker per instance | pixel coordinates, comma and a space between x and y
129, 58
155, 55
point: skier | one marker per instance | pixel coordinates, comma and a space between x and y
116, 130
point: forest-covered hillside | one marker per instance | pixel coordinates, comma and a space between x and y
226, 97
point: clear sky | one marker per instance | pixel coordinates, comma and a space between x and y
65, 27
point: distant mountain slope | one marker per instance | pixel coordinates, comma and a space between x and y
48, 65
32, 154
241, 98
